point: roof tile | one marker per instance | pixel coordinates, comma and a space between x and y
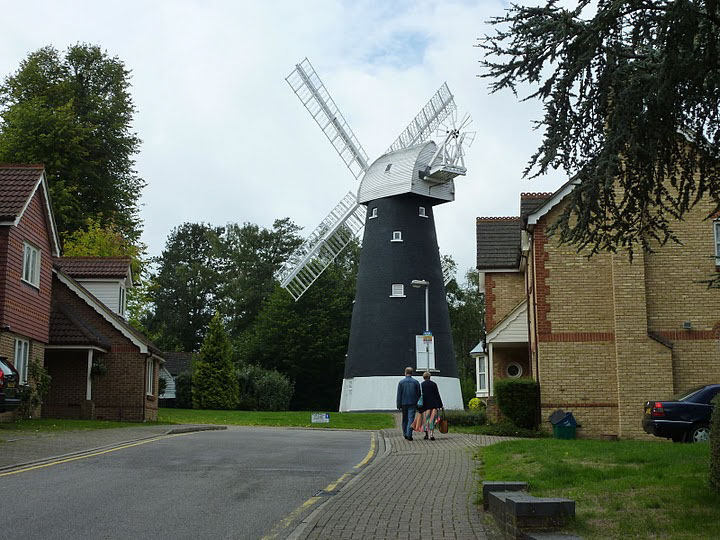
94, 267
16, 186
498, 242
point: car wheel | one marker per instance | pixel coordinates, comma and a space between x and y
699, 433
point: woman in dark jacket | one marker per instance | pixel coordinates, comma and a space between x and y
432, 403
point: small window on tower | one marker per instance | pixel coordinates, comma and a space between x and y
421, 211
397, 236
373, 213
389, 166
398, 290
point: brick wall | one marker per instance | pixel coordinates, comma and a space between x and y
68, 369
23, 307
7, 349
503, 292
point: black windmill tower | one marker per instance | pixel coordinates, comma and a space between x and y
400, 316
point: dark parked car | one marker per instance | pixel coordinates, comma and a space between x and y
9, 391
684, 417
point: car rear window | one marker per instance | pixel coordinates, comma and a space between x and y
5, 368
687, 395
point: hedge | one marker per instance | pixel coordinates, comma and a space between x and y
263, 389
517, 400
466, 418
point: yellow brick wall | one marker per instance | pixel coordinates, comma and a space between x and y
508, 291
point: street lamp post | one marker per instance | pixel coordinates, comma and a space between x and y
418, 283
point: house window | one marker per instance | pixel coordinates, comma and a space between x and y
22, 355
397, 236
31, 265
373, 213
421, 211
482, 380
398, 290
514, 370
388, 167
121, 302
717, 242
150, 369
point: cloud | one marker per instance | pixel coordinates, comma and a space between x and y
224, 137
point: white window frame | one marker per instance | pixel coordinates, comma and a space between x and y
421, 211
397, 236
716, 224
150, 376
397, 290
122, 301
373, 213
482, 375
520, 370
31, 265
22, 358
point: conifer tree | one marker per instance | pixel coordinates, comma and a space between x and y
215, 385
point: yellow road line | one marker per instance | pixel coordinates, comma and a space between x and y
84, 456
290, 518
370, 453
287, 521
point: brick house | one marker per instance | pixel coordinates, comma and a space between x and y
601, 335
49, 317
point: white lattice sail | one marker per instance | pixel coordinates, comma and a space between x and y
335, 232
312, 92
427, 120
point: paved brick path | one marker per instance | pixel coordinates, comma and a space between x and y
418, 489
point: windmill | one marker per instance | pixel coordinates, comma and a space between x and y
400, 315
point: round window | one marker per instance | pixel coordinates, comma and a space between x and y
513, 370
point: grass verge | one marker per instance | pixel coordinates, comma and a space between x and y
53, 424
626, 489
280, 419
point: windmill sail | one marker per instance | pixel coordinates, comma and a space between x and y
312, 92
321, 248
427, 120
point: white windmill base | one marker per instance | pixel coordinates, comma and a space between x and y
380, 393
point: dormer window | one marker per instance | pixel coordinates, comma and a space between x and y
373, 213
397, 236
122, 301
421, 212
31, 265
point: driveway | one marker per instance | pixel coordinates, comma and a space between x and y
237, 483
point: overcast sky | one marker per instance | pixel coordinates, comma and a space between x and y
226, 140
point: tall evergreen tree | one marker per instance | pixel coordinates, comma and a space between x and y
73, 113
214, 384
626, 84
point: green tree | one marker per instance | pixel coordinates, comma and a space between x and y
73, 113
625, 85
467, 323
186, 288
252, 256
214, 384
307, 340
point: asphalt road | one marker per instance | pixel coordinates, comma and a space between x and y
237, 483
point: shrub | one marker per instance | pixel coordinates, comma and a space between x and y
263, 389
715, 446
508, 429
476, 404
466, 418
33, 395
517, 400
183, 390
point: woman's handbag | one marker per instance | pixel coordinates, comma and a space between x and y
443, 423
420, 400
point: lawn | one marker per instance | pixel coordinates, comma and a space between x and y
52, 424
283, 418
626, 489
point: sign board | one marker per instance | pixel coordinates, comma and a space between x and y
427, 337
320, 418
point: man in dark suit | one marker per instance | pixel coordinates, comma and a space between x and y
408, 393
